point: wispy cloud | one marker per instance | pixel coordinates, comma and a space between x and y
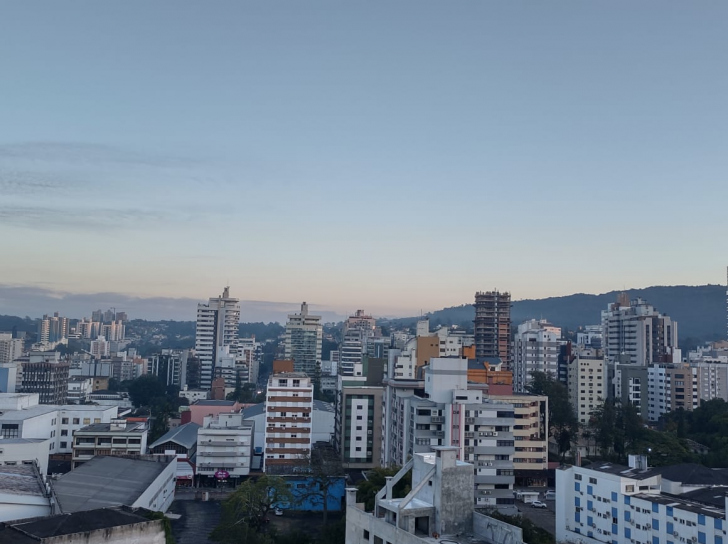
53, 218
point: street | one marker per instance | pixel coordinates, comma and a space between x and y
542, 517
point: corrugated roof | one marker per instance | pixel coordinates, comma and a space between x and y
107, 481
184, 435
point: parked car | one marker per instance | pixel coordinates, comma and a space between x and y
538, 504
278, 512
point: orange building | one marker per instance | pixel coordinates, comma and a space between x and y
500, 382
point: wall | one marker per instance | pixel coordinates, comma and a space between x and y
357, 521
151, 532
160, 494
15, 506
495, 531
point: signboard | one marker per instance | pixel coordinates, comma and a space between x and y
222, 475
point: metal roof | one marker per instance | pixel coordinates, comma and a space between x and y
184, 435
107, 481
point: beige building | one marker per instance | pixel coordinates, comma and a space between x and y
587, 382
117, 438
288, 425
530, 435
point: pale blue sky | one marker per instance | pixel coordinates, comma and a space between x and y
394, 156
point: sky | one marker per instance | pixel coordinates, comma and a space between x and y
391, 156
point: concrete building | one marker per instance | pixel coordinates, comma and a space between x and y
193, 395
322, 423
587, 383
535, 349
25, 451
198, 410
634, 332
614, 503
10, 348
46, 374
359, 329
53, 329
493, 326
225, 446
670, 388
121, 525
530, 434
115, 481
438, 509
358, 438
288, 426
217, 328
180, 442
590, 337
23, 493
445, 410
100, 348
117, 438
79, 389
627, 384
304, 340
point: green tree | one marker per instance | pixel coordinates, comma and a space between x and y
563, 425
325, 472
376, 479
145, 389
244, 513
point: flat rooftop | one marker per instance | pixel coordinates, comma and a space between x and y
20, 480
133, 427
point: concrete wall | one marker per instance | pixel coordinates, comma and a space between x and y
15, 506
357, 521
494, 531
160, 494
151, 532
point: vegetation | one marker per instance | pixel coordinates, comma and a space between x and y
245, 393
245, 512
168, 538
376, 479
706, 425
563, 425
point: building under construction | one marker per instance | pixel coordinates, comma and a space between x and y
493, 326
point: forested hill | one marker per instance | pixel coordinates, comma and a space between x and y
699, 310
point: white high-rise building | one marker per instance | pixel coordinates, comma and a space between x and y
587, 383
10, 348
304, 339
217, 327
535, 348
634, 332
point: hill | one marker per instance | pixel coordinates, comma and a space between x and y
699, 310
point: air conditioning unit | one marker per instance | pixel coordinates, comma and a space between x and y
648, 526
495, 434
675, 533
594, 525
694, 539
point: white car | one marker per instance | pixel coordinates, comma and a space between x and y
538, 504
278, 512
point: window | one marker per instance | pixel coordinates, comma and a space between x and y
358, 427
358, 417
64, 421
76, 421
577, 477
592, 480
10, 430
366, 534
701, 519
64, 432
64, 444
87, 421
97, 420
358, 448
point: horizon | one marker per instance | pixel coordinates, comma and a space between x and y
103, 301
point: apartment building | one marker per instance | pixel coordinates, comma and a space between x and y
671, 387
609, 503
288, 406
493, 326
225, 446
304, 340
535, 349
628, 384
217, 329
79, 389
587, 382
46, 374
530, 435
117, 438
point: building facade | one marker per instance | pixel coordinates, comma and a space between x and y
535, 349
587, 383
217, 329
225, 446
117, 438
304, 340
493, 326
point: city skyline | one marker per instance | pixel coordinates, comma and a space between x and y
406, 156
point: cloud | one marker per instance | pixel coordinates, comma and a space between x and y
33, 301
39, 218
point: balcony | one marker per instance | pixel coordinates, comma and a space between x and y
437, 419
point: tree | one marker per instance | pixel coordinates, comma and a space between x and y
563, 425
375, 480
325, 472
145, 389
245, 512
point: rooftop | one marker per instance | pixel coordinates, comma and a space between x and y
684, 504
107, 481
20, 480
131, 427
258, 409
184, 435
621, 470
34, 529
289, 375
693, 474
202, 402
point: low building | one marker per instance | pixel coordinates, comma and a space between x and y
193, 395
438, 509
181, 442
225, 447
104, 397
25, 451
607, 503
119, 525
197, 411
116, 481
79, 389
117, 438
23, 494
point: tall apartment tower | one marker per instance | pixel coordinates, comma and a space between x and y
536, 349
304, 338
493, 326
217, 333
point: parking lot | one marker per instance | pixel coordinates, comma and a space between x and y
542, 517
